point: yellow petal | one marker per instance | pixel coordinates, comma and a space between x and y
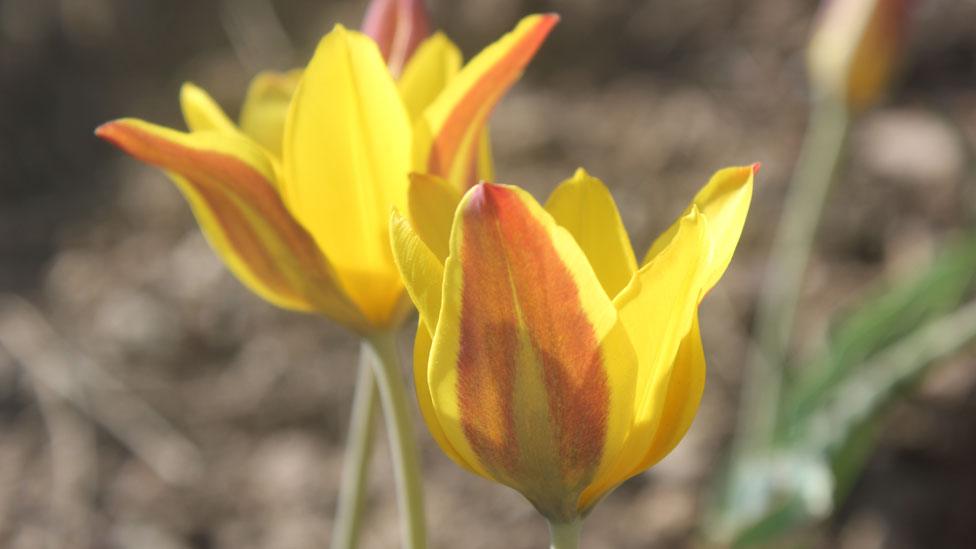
531, 372
447, 136
422, 273
583, 206
435, 63
421, 354
266, 106
486, 165
346, 159
432, 202
201, 112
681, 401
227, 181
725, 202
657, 309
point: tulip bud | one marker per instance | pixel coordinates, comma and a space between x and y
855, 48
398, 27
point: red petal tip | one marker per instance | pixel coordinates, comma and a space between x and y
756, 167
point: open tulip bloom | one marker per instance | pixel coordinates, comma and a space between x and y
295, 198
547, 359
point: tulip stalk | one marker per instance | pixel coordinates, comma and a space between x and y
359, 448
565, 535
789, 258
399, 427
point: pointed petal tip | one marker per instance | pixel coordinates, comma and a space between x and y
104, 130
112, 130
551, 18
756, 166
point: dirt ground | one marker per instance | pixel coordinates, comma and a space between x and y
147, 400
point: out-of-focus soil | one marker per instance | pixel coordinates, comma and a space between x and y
148, 400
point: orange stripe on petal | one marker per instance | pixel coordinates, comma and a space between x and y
229, 184
448, 135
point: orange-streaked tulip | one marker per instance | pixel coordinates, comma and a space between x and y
305, 227
547, 358
855, 47
398, 27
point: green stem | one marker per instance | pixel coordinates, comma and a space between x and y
359, 448
565, 535
788, 261
403, 446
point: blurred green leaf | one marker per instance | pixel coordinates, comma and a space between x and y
831, 414
879, 323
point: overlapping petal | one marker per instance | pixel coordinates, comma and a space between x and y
431, 203
228, 182
657, 309
346, 158
448, 133
725, 202
583, 206
266, 107
435, 63
531, 372
398, 27
201, 112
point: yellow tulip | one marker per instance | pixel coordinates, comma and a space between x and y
547, 359
855, 48
295, 199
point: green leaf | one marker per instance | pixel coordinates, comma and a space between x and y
880, 323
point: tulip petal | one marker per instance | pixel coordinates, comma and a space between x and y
398, 27
266, 106
657, 308
531, 372
423, 276
422, 272
435, 63
346, 158
486, 165
227, 181
432, 202
421, 355
447, 134
583, 206
201, 112
724, 200
681, 401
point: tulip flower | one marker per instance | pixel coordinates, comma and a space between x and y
295, 198
547, 359
855, 48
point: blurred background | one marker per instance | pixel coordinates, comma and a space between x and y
148, 400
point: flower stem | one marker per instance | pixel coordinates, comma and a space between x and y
565, 535
359, 448
788, 261
403, 445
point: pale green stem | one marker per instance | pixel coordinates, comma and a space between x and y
788, 261
359, 448
565, 535
403, 445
